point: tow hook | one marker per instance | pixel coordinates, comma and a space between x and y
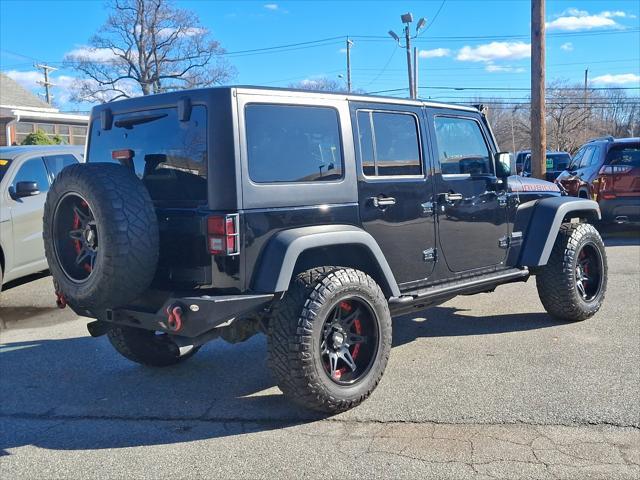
61, 300
174, 317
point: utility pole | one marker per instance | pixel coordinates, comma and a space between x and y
46, 84
349, 44
538, 59
415, 72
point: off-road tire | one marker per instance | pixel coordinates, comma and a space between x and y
294, 332
146, 348
127, 230
556, 280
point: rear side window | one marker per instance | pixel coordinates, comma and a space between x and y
461, 146
169, 155
389, 143
626, 156
290, 143
55, 163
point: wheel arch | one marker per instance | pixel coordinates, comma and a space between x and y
292, 251
544, 223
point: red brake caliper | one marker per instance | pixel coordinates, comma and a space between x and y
76, 243
346, 306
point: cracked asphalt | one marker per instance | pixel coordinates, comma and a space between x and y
485, 386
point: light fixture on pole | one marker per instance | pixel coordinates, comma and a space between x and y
407, 19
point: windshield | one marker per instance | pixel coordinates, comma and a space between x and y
4, 166
169, 155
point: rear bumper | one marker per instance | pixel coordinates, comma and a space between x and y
620, 207
199, 314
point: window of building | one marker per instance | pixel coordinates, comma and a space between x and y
462, 148
288, 143
389, 143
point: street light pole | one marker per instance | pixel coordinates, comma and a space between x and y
407, 19
538, 111
407, 39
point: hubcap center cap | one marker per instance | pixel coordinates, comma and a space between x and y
338, 340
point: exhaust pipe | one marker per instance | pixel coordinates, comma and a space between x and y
622, 219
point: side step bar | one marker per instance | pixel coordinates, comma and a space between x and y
418, 299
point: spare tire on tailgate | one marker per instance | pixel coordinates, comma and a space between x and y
100, 235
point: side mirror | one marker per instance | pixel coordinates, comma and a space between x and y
503, 164
26, 189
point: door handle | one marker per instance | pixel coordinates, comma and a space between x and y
383, 202
450, 197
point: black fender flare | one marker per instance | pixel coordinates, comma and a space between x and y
544, 219
278, 259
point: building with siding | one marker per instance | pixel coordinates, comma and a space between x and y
22, 112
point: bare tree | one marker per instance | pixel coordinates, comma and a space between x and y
323, 84
145, 47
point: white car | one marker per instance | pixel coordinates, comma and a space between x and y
25, 176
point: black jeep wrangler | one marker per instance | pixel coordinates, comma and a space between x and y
311, 217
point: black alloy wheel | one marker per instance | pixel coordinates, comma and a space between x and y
349, 341
76, 237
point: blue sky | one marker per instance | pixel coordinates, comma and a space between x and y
603, 36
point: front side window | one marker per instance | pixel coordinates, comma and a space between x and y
389, 143
461, 146
55, 163
33, 170
169, 155
589, 157
290, 143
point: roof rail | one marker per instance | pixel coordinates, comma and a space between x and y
608, 138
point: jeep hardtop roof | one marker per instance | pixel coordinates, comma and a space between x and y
173, 97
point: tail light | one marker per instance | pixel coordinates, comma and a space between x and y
614, 169
222, 234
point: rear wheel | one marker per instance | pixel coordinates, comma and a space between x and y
330, 338
573, 284
149, 348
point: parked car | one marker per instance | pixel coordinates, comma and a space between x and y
608, 171
556, 163
309, 216
26, 174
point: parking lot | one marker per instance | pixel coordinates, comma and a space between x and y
486, 386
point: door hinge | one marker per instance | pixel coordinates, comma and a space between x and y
503, 242
510, 240
502, 200
429, 255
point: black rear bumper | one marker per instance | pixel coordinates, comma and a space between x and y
627, 207
199, 314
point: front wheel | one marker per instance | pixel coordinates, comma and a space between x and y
330, 338
572, 285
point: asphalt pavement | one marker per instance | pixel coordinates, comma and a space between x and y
484, 386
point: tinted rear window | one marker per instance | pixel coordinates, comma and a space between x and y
170, 156
624, 155
291, 143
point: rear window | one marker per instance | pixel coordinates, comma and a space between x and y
291, 143
170, 156
624, 155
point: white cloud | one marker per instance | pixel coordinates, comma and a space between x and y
188, 32
91, 54
616, 79
503, 69
495, 51
342, 50
572, 20
271, 6
29, 80
435, 53
567, 47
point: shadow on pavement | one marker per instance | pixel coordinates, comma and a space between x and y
78, 393
21, 281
